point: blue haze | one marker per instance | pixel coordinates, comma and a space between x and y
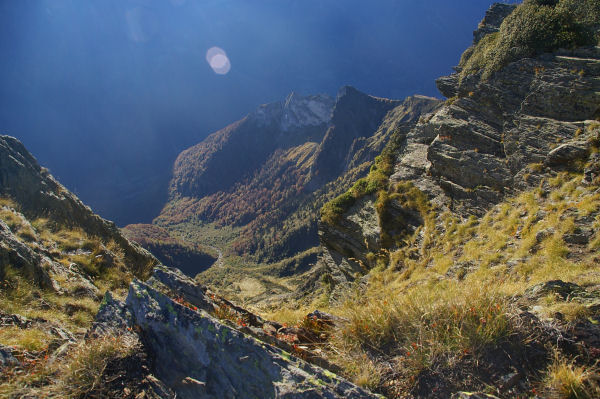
106, 93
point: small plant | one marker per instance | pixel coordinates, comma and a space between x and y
419, 326
376, 181
85, 364
30, 339
569, 381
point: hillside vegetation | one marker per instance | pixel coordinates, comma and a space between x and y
189, 258
264, 216
57, 259
468, 258
456, 253
489, 291
535, 27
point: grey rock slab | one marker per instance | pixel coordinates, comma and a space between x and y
492, 20
558, 287
180, 285
17, 254
565, 153
6, 357
199, 357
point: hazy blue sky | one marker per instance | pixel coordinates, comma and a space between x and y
106, 93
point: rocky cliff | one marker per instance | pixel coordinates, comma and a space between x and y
494, 137
57, 258
481, 219
39, 195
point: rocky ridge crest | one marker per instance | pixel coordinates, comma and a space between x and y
196, 355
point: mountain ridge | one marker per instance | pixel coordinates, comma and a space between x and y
450, 251
270, 214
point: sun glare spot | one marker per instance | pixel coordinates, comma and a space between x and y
218, 60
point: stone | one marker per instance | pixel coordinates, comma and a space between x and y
113, 316
492, 20
566, 153
472, 395
558, 287
592, 170
509, 380
189, 346
543, 234
15, 253
578, 237
6, 357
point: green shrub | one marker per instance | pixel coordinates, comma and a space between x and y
376, 180
534, 27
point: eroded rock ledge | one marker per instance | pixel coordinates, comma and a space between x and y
195, 355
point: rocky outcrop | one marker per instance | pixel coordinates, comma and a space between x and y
492, 20
14, 253
533, 111
38, 194
491, 139
195, 355
356, 116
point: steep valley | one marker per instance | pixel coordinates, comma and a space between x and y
338, 248
262, 209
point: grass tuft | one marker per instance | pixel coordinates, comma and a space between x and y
568, 381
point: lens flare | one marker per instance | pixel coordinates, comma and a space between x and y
218, 60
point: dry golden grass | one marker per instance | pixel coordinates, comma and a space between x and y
73, 376
425, 323
565, 380
19, 295
420, 309
30, 339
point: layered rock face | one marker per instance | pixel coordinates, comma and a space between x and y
491, 139
198, 356
492, 20
533, 111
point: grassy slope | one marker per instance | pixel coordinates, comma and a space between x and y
459, 297
450, 301
77, 370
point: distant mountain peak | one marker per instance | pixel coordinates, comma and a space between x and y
348, 90
295, 112
300, 111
